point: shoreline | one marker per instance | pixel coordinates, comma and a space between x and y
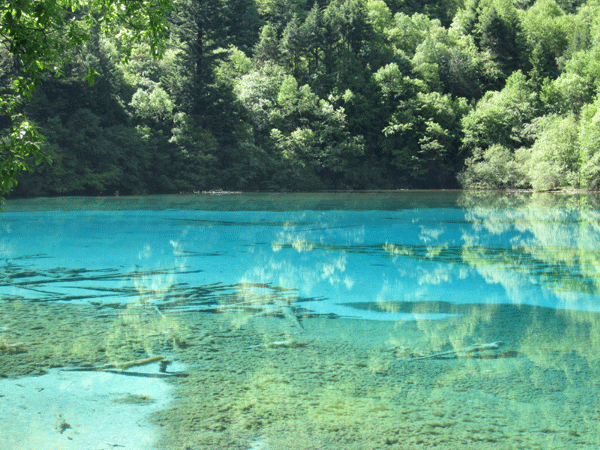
219, 192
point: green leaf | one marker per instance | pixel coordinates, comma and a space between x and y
90, 76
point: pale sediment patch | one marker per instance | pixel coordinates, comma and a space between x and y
76, 377
80, 410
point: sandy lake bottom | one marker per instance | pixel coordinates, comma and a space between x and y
246, 381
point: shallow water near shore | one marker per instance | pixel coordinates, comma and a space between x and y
301, 321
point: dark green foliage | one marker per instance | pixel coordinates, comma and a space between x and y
197, 33
242, 23
40, 38
311, 33
332, 94
292, 47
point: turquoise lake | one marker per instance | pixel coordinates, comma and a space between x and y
330, 320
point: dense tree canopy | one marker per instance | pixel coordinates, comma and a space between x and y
292, 94
39, 37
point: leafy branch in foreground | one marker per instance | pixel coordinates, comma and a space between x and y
37, 35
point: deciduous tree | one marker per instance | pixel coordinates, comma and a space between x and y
38, 35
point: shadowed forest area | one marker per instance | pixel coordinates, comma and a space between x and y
328, 94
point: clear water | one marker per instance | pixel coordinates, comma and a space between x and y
362, 320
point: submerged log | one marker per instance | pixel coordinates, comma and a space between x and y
472, 351
284, 310
121, 366
12, 349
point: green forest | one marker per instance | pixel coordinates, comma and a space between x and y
301, 95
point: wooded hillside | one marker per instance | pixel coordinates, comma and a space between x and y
332, 94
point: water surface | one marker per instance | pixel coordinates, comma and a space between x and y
402, 320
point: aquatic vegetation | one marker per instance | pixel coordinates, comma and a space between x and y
61, 424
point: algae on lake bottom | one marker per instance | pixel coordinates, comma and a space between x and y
345, 384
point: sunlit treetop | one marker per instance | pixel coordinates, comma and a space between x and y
38, 32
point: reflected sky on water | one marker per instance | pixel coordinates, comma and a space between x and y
350, 255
